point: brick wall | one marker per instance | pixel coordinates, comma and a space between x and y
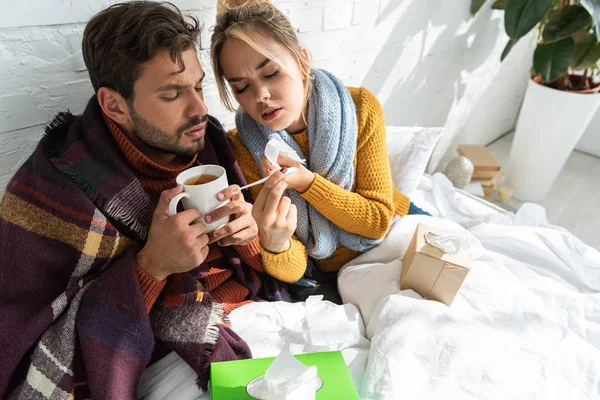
415, 55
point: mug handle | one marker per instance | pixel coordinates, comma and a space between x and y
174, 201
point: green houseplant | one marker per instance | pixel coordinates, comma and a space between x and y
562, 94
568, 45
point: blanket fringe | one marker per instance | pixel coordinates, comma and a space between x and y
56, 131
129, 220
59, 123
214, 321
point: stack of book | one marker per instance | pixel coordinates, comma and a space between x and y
487, 169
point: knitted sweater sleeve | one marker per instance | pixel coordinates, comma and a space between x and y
251, 254
290, 265
151, 288
370, 207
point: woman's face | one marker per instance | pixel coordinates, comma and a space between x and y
272, 96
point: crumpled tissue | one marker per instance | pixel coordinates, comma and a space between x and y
276, 147
328, 324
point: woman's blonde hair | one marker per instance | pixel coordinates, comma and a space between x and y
244, 20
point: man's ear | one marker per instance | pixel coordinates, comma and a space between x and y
113, 105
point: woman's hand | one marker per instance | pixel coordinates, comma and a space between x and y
275, 214
301, 180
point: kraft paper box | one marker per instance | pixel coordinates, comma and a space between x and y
228, 379
431, 272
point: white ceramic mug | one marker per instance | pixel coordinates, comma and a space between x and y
202, 197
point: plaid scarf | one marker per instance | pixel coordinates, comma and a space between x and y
74, 322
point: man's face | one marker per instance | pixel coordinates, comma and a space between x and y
168, 114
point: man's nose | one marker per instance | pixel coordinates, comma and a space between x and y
197, 105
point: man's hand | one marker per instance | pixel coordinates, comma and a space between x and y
275, 214
301, 180
174, 245
242, 228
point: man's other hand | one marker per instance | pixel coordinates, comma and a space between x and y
174, 243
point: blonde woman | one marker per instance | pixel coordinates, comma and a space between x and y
343, 201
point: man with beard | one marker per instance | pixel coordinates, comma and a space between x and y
97, 280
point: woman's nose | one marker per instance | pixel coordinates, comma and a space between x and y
262, 94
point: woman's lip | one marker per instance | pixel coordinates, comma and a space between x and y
273, 115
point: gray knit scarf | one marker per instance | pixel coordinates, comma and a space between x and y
332, 135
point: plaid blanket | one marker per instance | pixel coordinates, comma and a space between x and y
74, 322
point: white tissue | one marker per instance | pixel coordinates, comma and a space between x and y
289, 379
275, 147
449, 244
328, 323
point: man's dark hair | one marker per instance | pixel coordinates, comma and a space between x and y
120, 38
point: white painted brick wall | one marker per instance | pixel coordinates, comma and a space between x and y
413, 54
337, 16
307, 19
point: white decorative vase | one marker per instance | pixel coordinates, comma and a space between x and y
550, 124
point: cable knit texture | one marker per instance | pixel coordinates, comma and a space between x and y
367, 210
151, 288
332, 142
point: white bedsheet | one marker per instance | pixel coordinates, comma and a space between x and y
525, 324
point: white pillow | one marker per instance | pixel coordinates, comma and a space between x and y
409, 149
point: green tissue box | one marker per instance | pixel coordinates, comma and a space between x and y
228, 379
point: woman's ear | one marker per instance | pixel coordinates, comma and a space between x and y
305, 54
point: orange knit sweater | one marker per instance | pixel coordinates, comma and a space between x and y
367, 210
156, 178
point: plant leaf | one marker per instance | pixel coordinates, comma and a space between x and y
476, 5
511, 43
566, 22
591, 59
593, 7
522, 15
587, 53
553, 59
553, 10
500, 4
583, 35
582, 47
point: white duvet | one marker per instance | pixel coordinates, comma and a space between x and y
524, 325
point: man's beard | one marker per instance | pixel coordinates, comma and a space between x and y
156, 138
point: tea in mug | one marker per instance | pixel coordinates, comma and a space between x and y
200, 180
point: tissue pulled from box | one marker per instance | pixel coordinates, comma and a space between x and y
276, 147
450, 244
289, 379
